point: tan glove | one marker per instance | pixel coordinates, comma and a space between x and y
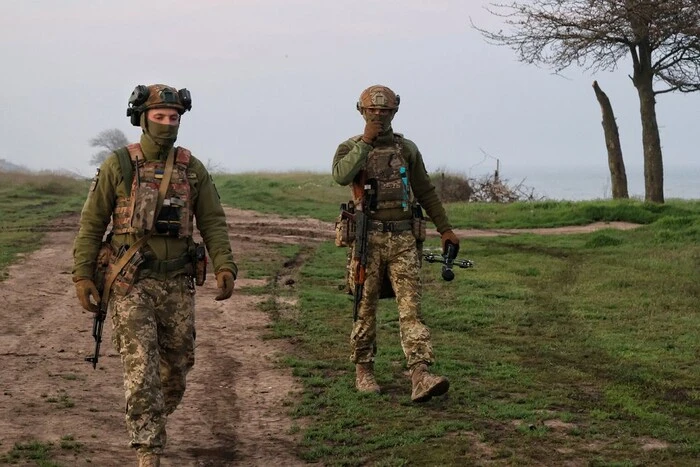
224, 281
372, 130
449, 236
84, 289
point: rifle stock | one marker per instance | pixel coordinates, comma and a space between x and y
360, 259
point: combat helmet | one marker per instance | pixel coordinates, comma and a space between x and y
378, 97
157, 96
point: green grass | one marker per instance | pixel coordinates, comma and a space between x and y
40, 453
317, 195
28, 204
562, 213
288, 194
559, 349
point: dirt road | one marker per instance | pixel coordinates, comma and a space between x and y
234, 409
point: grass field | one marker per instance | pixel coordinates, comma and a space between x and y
28, 203
578, 349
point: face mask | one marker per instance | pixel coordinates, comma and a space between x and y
163, 135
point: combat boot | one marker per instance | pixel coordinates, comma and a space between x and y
426, 385
364, 378
148, 459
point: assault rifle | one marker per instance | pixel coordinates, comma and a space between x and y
448, 260
361, 241
103, 258
97, 324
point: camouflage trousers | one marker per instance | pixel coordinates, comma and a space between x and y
396, 255
154, 334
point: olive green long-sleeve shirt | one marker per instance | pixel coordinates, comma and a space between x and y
350, 158
97, 211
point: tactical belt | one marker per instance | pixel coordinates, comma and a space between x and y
166, 266
390, 226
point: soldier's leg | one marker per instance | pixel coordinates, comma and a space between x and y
135, 338
404, 273
364, 331
176, 334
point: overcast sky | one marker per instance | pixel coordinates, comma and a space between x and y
274, 84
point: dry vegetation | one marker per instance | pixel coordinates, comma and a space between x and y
452, 187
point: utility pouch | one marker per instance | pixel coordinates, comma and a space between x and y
168, 222
200, 264
145, 208
418, 224
345, 229
126, 278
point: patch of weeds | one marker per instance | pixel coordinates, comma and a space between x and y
62, 400
528, 272
601, 239
68, 443
33, 450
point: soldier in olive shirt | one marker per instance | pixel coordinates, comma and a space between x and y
400, 180
152, 297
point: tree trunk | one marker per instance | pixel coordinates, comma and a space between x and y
618, 175
643, 80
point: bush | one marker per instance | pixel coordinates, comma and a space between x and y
453, 187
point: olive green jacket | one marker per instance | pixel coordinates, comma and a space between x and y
350, 158
101, 201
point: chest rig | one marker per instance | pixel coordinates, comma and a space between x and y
389, 168
135, 213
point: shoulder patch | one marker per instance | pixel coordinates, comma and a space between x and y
95, 179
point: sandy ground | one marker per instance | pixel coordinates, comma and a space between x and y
235, 409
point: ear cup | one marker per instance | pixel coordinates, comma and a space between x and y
135, 118
138, 97
185, 99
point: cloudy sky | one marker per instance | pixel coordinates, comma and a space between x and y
274, 84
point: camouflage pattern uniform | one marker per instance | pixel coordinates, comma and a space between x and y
395, 254
154, 321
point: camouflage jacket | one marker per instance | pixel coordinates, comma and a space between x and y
98, 209
351, 156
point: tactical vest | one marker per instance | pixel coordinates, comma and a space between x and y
387, 165
135, 213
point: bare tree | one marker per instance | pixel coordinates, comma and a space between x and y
110, 140
662, 37
618, 175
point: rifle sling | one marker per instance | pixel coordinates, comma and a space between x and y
163, 189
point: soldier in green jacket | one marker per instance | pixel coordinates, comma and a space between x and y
152, 297
400, 180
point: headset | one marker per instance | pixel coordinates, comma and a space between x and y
140, 95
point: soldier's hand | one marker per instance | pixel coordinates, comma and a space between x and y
224, 281
449, 236
372, 130
84, 289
